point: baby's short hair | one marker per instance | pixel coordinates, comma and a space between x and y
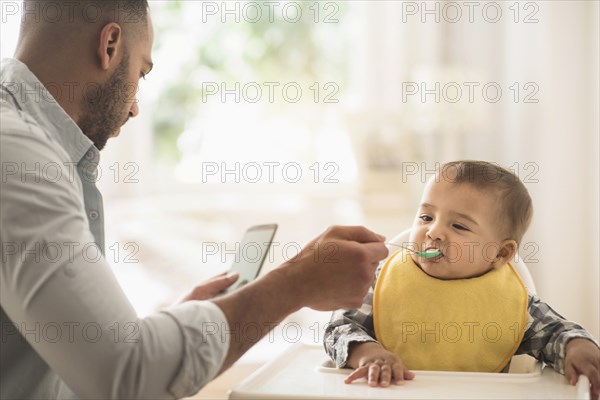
516, 209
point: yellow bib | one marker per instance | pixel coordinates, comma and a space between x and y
471, 324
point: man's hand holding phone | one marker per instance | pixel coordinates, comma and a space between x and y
251, 254
212, 287
253, 250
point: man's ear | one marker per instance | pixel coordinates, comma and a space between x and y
507, 250
111, 43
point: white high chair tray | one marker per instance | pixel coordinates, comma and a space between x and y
299, 373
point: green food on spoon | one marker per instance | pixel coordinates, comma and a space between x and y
431, 253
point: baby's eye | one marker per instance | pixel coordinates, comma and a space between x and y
460, 227
426, 218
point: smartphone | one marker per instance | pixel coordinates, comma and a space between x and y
252, 254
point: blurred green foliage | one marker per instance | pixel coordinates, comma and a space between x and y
277, 51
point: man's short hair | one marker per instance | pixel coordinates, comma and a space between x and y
515, 205
127, 10
123, 12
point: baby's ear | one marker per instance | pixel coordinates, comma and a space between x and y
507, 250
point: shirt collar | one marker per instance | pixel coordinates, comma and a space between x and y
34, 99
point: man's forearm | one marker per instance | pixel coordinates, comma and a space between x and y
264, 303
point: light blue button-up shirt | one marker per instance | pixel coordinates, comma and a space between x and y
67, 328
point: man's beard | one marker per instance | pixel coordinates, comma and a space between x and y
105, 107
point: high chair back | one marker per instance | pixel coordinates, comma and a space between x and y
517, 262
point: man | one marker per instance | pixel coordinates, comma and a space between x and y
67, 328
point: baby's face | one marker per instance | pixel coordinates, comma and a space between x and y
462, 222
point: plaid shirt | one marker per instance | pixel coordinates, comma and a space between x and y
546, 335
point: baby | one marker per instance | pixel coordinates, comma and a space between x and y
466, 309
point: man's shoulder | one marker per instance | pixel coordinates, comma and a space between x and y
14, 121
31, 162
21, 136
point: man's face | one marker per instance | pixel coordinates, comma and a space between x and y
110, 105
461, 221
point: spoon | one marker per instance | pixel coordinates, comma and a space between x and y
431, 253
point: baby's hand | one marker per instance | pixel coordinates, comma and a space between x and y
583, 357
377, 364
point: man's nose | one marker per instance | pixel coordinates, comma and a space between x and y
134, 110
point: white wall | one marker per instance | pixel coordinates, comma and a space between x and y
561, 135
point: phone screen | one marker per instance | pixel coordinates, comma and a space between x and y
252, 253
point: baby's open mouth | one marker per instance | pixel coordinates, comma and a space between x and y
432, 253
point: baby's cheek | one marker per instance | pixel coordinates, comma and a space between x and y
490, 251
455, 253
416, 236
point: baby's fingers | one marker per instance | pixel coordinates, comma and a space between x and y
374, 370
401, 373
571, 374
594, 376
590, 371
386, 375
358, 373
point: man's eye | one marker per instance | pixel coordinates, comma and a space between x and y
426, 218
460, 227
